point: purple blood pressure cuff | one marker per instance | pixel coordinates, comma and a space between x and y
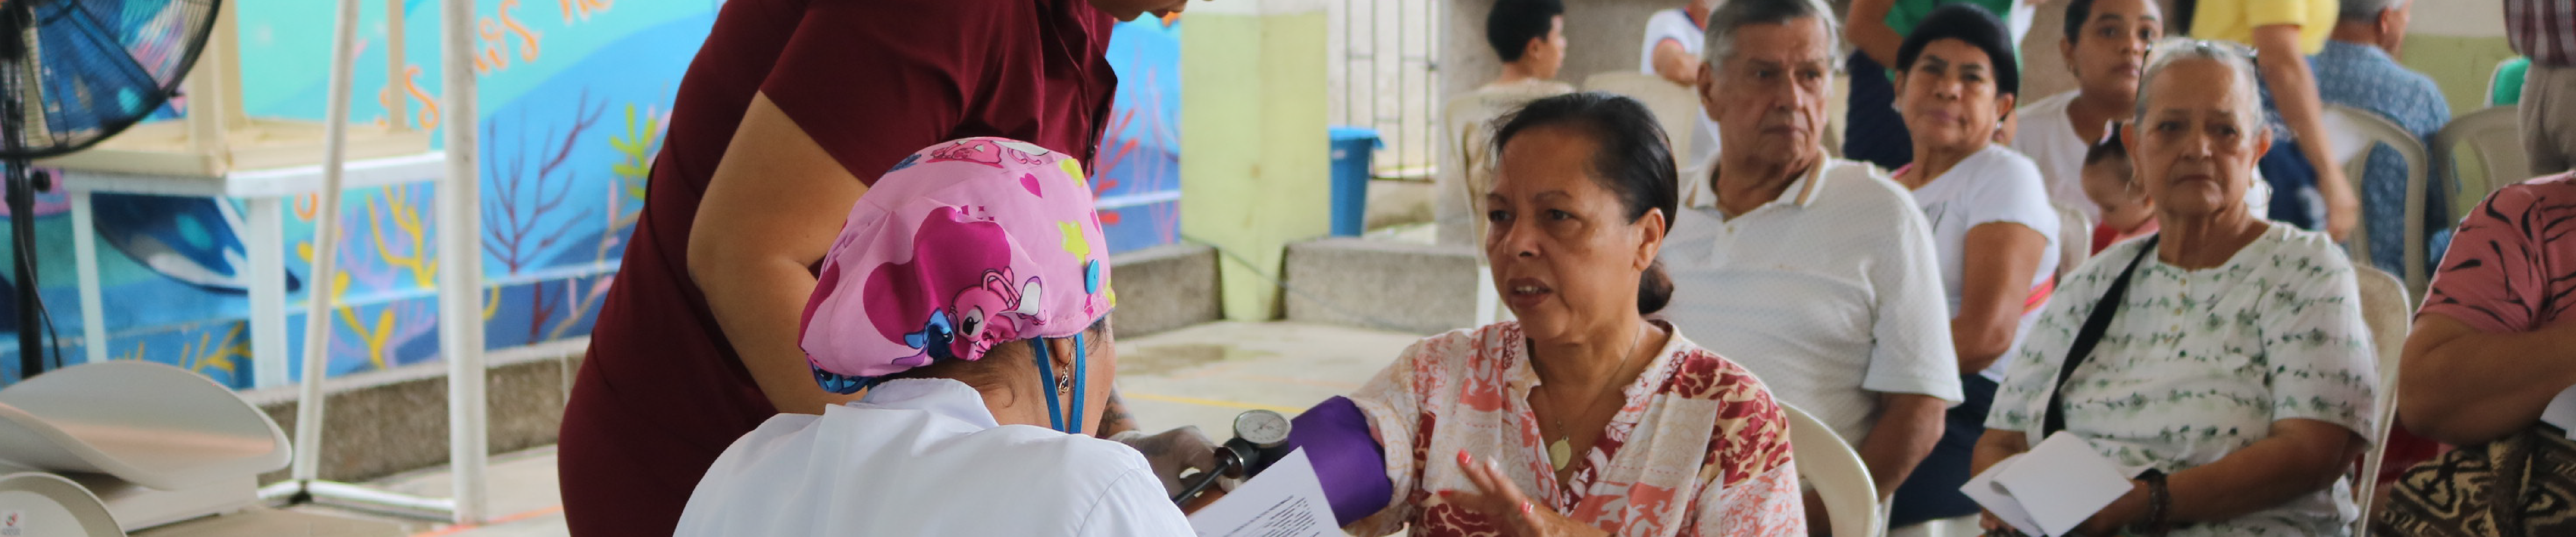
1348, 460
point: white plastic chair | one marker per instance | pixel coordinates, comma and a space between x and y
153, 424
1466, 166
2494, 136
132, 431
2388, 312
2074, 239
1466, 170
47, 504
1835, 472
1675, 107
2369, 129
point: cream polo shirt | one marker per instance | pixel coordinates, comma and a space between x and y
1831, 294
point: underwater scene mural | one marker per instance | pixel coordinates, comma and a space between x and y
574, 95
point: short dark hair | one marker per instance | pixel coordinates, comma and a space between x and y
1513, 23
2079, 13
1630, 156
2109, 148
1971, 24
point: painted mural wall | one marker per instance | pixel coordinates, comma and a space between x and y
574, 94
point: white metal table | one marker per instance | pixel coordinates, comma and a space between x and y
264, 194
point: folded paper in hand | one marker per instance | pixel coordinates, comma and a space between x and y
2052, 488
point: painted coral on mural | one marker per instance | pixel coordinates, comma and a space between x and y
1139, 160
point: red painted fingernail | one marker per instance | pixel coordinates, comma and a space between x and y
1525, 508
1465, 459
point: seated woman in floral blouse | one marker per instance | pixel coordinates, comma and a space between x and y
2236, 368
1582, 417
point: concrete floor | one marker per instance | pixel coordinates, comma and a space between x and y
1201, 375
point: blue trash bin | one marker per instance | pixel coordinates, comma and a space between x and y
1353, 148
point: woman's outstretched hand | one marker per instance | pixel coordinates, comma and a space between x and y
1496, 497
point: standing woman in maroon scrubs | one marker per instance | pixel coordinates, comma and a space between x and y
789, 109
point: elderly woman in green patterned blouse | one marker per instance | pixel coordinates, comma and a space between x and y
2234, 366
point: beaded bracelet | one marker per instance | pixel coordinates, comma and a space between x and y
2159, 501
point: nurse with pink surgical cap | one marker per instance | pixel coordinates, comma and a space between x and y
968, 295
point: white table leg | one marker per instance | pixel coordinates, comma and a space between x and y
85, 268
265, 241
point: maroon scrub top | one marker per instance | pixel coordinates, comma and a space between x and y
662, 393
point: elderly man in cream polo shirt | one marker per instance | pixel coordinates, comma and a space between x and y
1817, 274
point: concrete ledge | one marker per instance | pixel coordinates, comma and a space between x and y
1395, 202
1385, 285
380, 423
1163, 288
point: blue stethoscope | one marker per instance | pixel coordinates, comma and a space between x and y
1056, 413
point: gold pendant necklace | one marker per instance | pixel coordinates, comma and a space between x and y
1561, 451
1560, 454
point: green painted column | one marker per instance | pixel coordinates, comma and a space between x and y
1254, 161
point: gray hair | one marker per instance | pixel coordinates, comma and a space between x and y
1719, 38
2363, 10
2176, 50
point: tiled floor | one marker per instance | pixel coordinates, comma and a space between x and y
1202, 375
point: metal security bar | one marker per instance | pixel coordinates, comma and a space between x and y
1385, 57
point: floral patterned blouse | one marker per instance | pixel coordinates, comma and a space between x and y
2200, 363
1699, 448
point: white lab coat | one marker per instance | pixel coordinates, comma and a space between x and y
924, 457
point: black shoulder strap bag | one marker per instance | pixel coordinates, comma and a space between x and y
2089, 335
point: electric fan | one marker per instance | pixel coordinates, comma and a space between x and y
73, 73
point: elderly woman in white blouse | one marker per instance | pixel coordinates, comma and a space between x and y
2231, 364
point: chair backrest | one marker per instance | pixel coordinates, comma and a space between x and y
2494, 137
1467, 156
48, 504
2074, 239
2387, 310
1675, 107
59, 422
2505, 86
1835, 472
2369, 130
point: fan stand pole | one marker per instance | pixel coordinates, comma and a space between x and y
22, 232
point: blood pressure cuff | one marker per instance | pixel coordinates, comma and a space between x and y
1348, 460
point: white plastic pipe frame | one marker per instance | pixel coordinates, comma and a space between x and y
460, 298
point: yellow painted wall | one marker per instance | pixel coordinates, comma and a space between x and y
2461, 65
1254, 162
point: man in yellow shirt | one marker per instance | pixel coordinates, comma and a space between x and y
2283, 33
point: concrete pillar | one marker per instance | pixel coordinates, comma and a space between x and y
1254, 161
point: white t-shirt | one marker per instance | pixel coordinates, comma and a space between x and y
2047, 136
1994, 185
2199, 364
924, 457
1675, 25
1831, 294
